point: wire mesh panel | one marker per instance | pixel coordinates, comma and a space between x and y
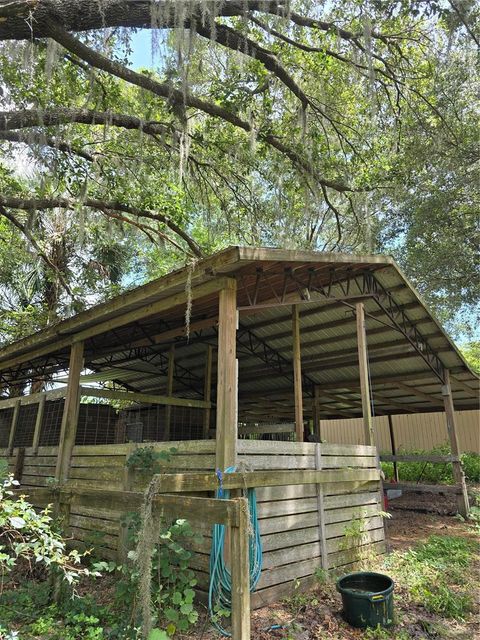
25, 426
145, 424
96, 424
186, 423
51, 423
6, 416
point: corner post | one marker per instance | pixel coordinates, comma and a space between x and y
463, 504
226, 435
297, 373
240, 573
68, 428
364, 380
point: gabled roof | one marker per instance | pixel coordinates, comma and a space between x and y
408, 348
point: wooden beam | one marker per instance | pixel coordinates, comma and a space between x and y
364, 375
119, 320
170, 377
208, 481
146, 398
227, 393
38, 424
207, 390
297, 373
463, 504
13, 426
68, 428
411, 487
33, 398
418, 458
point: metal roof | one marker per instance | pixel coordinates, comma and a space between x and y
408, 348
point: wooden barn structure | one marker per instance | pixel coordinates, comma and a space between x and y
237, 358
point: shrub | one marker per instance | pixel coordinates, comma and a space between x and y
28, 536
172, 594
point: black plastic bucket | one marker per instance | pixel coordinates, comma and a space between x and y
367, 599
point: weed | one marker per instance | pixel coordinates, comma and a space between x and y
379, 633
148, 460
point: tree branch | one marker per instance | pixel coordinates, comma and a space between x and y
33, 204
232, 39
53, 143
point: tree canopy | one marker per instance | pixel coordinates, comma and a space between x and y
333, 126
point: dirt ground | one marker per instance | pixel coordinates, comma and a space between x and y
317, 615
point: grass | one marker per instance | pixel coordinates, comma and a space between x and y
434, 584
435, 575
434, 473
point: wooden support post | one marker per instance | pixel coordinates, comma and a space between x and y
38, 424
297, 373
364, 377
207, 391
463, 504
226, 436
13, 427
322, 532
394, 449
68, 428
62, 509
240, 574
170, 377
19, 462
316, 414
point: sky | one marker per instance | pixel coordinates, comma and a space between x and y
141, 44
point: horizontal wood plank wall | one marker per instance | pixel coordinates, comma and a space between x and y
289, 520
412, 431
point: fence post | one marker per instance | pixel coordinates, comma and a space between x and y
70, 413
239, 559
13, 427
19, 462
463, 504
321, 509
38, 424
63, 500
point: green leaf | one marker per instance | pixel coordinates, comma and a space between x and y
158, 634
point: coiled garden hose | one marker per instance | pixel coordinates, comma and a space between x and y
220, 587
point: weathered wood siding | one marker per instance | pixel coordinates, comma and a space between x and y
289, 515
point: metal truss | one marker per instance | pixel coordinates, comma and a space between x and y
262, 350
